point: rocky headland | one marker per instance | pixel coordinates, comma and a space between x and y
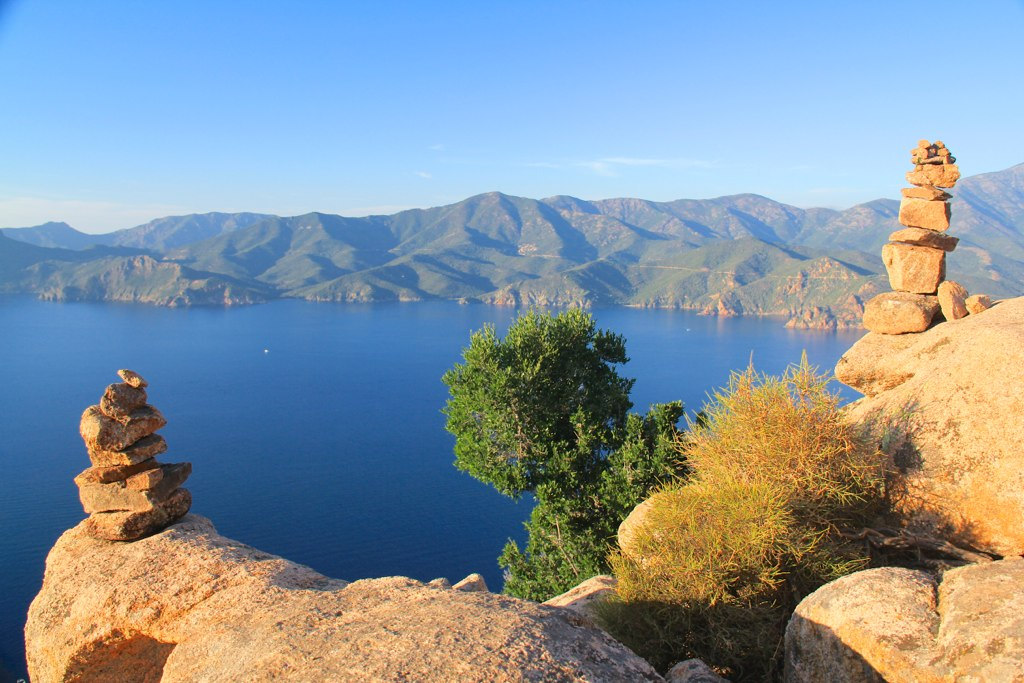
138, 279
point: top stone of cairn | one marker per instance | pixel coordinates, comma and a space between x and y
132, 378
934, 166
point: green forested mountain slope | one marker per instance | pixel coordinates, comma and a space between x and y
742, 254
176, 231
287, 253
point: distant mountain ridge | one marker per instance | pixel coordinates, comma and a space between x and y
55, 235
740, 254
156, 235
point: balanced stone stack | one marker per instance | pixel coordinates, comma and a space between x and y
127, 493
915, 257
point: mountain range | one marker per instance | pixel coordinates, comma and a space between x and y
740, 254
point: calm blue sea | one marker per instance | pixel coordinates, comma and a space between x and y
314, 430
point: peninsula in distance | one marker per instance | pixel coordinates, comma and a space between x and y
735, 255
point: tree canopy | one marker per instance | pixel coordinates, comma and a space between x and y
544, 411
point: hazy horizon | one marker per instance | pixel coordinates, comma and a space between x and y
398, 209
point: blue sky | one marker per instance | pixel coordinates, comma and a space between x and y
114, 113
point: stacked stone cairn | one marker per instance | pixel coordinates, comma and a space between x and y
126, 492
915, 257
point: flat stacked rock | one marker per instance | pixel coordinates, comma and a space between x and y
915, 257
127, 493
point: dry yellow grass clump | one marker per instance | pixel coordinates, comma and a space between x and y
718, 564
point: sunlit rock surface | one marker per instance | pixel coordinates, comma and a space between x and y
188, 604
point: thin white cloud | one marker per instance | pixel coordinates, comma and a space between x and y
667, 163
423, 174
436, 148
599, 167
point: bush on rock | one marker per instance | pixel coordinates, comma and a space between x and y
720, 561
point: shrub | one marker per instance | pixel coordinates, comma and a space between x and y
721, 560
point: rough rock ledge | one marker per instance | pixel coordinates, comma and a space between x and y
188, 604
946, 405
904, 626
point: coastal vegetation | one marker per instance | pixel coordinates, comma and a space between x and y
544, 412
717, 565
746, 510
